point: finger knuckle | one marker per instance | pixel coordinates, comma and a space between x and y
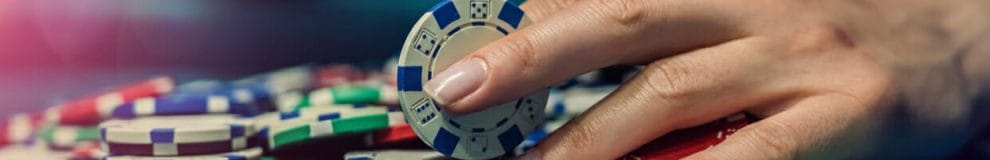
774, 139
667, 79
519, 49
627, 13
819, 37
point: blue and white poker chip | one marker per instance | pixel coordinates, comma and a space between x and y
176, 129
182, 105
247, 154
450, 31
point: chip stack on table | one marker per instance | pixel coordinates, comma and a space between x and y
178, 136
445, 34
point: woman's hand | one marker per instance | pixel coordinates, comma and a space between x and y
831, 79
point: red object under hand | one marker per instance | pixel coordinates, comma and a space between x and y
682, 143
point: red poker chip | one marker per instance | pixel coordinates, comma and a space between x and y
90, 110
682, 143
394, 134
24, 133
341, 74
88, 151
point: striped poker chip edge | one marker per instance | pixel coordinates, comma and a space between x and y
176, 129
246, 154
344, 123
181, 105
179, 149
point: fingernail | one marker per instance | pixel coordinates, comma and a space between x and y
457, 81
530, 155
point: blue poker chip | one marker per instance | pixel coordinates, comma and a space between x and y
193, 104
444, 35
280, 81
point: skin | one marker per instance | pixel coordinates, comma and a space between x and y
829, 79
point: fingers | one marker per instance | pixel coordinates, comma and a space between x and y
587, 36
811, 128
679, 92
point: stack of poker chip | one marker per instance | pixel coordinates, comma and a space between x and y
180, 137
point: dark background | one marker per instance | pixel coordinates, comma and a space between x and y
55, 50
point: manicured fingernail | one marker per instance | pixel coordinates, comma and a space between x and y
531, 155
457, 81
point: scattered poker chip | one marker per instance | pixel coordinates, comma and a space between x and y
303, 115
176, 129
556, 108
19, 129
354, 94
31, 152
394, 134
682, 143
357, 94
88, 151
172, 149
393, 155
67, 137
579, 99
182, 105
537, 135
280, 81
363, 119
247, 154
202, 86
338, 75
89, 111
444, 35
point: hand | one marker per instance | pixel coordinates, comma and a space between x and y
830, 79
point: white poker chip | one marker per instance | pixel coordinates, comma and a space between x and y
444, 35
176, 129
393, 155
247, 154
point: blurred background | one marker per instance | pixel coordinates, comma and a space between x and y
52, 51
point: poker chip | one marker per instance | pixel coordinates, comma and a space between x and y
338, 75
302, 115
88, 151
444, 35
67, 137
172, 149
247, 154
31, 152
331, 123
394, 134
393, 155
176, 129
579, 99
19, 129
202, 86
279, 81
682, 143
182, 105
90, 111
353, 95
